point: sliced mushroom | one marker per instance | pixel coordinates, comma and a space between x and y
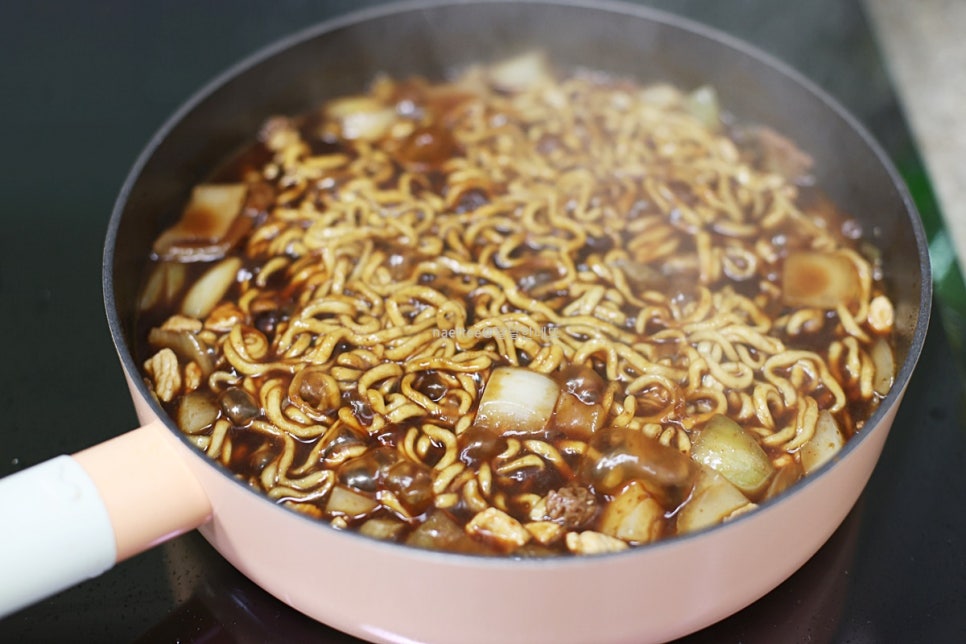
239, 406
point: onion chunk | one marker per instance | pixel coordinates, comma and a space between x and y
361, 117
164, 284
702, 103
517, 400
209, 225
205, 294
824, 445
185, 345
714, 500
349, 503
885, 366
728, 449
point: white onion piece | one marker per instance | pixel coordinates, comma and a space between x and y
349, 503
661, 95
784, 478
633, 515
196, 412
361, 117
713, 500
517, 400
163, 285
203, 232
728, 449
824, 445
819, 280
208, 291
519, 73
702, 103
386, 529
885, 367
186, 345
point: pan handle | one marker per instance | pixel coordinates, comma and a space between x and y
73, 517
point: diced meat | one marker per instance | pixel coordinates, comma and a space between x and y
572, 506
593, 543
498, 528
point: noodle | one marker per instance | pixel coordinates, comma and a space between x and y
569, 224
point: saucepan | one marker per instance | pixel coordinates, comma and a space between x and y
73, 517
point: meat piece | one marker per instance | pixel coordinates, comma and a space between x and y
162, 367
593, 543
499, 529
545, 532
572, 506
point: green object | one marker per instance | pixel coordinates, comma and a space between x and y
948, 285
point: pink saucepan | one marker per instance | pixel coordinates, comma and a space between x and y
78, 515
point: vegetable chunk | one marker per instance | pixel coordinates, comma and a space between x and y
517, 400
728, 449
819, 280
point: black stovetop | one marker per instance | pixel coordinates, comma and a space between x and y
86, 84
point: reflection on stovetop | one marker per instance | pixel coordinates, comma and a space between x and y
216, 603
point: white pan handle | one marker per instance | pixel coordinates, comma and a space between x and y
55, 532
72, 517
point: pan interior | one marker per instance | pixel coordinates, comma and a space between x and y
435, 42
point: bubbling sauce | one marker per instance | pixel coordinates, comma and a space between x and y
516, 313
